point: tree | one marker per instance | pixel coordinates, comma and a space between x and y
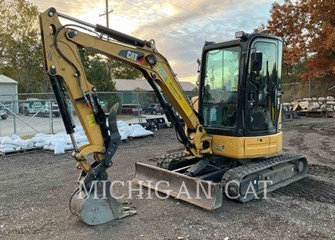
308, 30
21, 52
321, 27
121, 70
20, 47
96, 70
101, 70
287, 22
97, 73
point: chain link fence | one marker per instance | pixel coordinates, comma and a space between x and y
308, 89
28, 114
31, 113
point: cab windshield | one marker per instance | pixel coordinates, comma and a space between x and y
220, 88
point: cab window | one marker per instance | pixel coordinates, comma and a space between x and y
219, 91
262, 113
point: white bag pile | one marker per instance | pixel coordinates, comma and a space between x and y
14, 143
124, 129
61, 142
132, 131
136, 130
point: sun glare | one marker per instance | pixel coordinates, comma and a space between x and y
118, 23
123, 24
168, 9
92, 17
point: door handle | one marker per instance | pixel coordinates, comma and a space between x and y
251, 97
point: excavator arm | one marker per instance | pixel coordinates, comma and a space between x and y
61, 44
62, 61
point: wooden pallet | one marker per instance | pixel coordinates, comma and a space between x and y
318, 114
52, 150
132, 138
21, 151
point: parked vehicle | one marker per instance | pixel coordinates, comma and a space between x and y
153, 108
3, 114
131, 109
41, 107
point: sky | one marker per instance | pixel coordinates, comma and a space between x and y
179, 27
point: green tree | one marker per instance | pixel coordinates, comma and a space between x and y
96, 69
100, 70
20, 47
97, 73
121, 70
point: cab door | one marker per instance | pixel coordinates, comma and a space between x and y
263, 87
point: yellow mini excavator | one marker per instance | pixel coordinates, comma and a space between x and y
231, 131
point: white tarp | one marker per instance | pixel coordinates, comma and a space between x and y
61, 142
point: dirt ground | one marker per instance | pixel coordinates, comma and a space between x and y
36, 187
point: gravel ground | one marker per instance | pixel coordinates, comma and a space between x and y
36, 188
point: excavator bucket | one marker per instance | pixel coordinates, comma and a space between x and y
202, 193
97, 205
96, 208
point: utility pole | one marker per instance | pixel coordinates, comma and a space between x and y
107, 14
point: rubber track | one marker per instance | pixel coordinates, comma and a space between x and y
239, 173
165, 160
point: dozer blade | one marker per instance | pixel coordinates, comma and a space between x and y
96, 209
202, 193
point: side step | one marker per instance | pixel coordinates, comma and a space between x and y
202, 193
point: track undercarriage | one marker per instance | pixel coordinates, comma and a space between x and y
203, 182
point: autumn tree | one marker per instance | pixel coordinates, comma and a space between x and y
308, 30
321, 47
287, 22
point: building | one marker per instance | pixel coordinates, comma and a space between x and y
132, 89
8, 94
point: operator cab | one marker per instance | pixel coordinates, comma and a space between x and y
237, 100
